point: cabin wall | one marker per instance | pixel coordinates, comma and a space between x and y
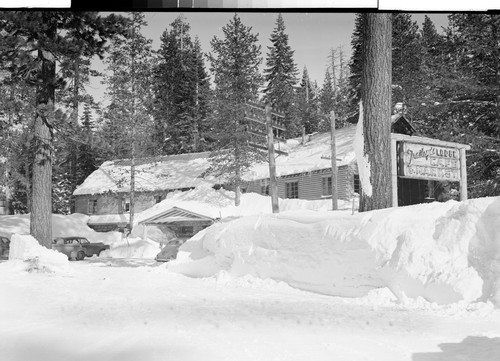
112, 203
310, 184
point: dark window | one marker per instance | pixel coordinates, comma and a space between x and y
326, 186
356, 183
158, 199
292, 190
126, 205
264, 187
92, 206
186, 231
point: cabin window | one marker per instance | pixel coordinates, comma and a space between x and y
356, 184
326, 186
264, 187
92, 206
126, 205
292, 190
185, 231
158, 198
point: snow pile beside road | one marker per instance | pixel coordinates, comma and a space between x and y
25, 248
133, 248
442, 252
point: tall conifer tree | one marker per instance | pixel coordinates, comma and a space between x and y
31, 44
181, 91
235, 62
327, 99
129, 87
307, 104
281, 75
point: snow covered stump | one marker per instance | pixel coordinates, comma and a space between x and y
36, 258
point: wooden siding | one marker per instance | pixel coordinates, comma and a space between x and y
112, 203
310, 183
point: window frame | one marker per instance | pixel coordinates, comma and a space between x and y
326, 184
264, 187
292, 189
126, 205
92, 206
356, 184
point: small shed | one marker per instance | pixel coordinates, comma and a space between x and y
175, 222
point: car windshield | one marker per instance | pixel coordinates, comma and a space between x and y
84, 240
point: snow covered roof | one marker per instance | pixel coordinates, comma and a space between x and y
177, 214
97, 219
151, 174
314, 154
185, 170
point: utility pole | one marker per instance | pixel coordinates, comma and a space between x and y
334, 162
273, 184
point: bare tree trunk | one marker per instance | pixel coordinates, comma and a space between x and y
41, 207
74, 119
273, 184
376, 80
237, 188
132, 191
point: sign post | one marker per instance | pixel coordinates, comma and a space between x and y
334, 162
273, 184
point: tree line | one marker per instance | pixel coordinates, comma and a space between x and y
178, 99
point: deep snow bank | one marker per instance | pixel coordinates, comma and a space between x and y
132, 248
31, 256
443, 252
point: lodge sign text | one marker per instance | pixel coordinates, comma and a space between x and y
423, 161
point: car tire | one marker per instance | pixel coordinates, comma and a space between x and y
80, 255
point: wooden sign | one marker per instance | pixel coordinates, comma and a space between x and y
422, 161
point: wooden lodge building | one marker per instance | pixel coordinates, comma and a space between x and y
421, 169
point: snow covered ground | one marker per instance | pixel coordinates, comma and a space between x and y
415, 283
131, 310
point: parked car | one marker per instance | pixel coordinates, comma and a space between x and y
4, 247
169, 251
78, 247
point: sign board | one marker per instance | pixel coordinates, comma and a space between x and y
422, 161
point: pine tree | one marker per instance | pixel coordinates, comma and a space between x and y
406, 60
235, 62
76, 72
407, 74
17, 104
307, 106
356, 62
376, 100
128, 85
182, 92
31, 43
88, 157
281, 75
327, 99
466, 107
